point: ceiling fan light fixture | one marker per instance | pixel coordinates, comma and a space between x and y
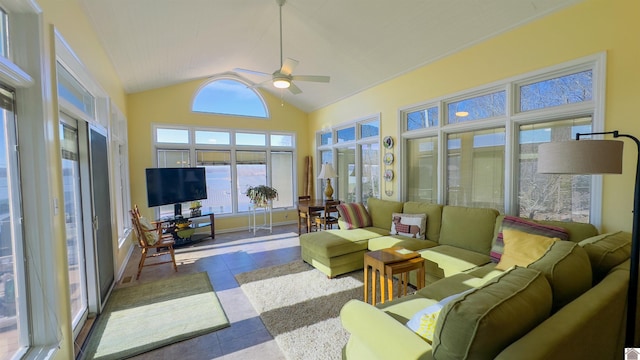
281, 83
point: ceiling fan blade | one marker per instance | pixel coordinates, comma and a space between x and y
288, 65
294, 89
254, 72
315, 78
259, 84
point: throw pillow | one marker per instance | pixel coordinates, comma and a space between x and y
353, 216
424, 321
527, 226
522, 249
150, 233
410, 225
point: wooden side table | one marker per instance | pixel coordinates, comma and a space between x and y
386, 263
403, 268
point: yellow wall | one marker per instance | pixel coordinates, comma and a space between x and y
588, 28
69, 20
172, 106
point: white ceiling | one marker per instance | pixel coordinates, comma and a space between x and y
359, 43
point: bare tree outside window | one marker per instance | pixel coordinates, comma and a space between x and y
550, 196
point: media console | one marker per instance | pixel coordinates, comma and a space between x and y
186, 236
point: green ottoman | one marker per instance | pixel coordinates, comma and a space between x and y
336, 252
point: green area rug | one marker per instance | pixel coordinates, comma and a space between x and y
141, 318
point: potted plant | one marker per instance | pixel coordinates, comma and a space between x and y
261, 195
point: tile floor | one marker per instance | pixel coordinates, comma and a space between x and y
222, 258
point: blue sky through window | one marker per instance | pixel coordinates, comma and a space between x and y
229, 97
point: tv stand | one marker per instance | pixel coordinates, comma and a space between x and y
169, 226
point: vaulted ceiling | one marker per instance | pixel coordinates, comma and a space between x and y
358, 43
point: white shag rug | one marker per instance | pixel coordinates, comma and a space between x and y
300, 307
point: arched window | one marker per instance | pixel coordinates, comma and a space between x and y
229, 97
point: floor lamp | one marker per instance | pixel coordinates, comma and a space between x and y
599, 157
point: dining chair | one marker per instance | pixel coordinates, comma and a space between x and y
303, 216
330, 215
150, 237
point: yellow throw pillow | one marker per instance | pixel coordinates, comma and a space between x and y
522, 249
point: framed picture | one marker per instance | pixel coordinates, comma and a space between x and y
388, 159
388, 142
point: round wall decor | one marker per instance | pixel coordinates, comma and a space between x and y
388, 142
388, 175
388, 159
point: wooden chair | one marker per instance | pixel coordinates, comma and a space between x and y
330, 215
163, 246
302, 216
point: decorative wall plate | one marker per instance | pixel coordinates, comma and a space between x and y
387, 142
388, 159
388, 175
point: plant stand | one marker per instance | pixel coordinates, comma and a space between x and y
267, 217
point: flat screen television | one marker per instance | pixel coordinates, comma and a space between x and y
175, 186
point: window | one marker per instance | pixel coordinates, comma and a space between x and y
549, 196
422, 169
568, 89
357, 160
490, 145
229, 97
72, 91
475, 169
4, 34
234, 160
423, 118
478, 107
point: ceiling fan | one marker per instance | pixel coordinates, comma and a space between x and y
283, 77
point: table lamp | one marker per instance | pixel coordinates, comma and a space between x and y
327, 172
599, 157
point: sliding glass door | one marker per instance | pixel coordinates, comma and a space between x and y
73, 219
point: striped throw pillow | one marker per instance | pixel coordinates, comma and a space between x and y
526, 226
353, 216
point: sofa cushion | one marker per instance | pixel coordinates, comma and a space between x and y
381, 210
385, 242
567, 268
577, 231
353, 216
606, 251
409, 225
522, 249
332, 243
444, 260
487, 320
434, 216
468, 228
527, 226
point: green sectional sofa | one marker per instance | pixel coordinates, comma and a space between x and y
567, 304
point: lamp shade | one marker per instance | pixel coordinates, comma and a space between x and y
580, 157
327, 172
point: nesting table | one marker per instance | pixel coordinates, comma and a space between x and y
386, 263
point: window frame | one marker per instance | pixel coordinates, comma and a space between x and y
511, 121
